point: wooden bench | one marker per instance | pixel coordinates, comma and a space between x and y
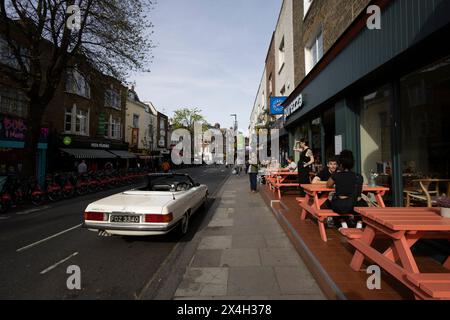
436, 285
320, 214
278, 186
351, 233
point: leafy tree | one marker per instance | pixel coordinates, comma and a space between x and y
113, 36
186, 118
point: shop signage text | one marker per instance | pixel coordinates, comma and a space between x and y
100, 145
293, 107
14, 129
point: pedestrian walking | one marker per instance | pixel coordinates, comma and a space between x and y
82, 167
253, 176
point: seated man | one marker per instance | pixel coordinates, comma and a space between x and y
324, 175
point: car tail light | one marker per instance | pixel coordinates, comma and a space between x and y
95, 216
158, 218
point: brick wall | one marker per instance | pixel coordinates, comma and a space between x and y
334, 16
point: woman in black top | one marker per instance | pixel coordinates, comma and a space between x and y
348, 187
305, 164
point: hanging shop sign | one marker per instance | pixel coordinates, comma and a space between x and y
276, 105
67, 141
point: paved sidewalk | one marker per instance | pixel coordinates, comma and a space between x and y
245, 254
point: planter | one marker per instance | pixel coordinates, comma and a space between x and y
445, 212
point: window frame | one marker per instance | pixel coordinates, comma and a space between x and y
306, 7
74, 121
77, 83
281, 55
312, 49
113, 99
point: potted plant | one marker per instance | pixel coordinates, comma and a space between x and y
444, 203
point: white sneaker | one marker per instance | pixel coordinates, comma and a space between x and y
359, 225
344, 225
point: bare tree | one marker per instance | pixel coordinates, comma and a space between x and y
44, 36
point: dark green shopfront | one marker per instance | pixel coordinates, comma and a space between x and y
385, 95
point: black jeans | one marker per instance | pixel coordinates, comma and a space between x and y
303, 177
253, 181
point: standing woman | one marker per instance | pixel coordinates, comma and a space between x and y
305, 163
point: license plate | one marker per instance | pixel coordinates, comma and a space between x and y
125, 219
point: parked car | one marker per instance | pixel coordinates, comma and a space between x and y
167, 201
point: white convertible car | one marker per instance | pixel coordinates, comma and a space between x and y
166, 202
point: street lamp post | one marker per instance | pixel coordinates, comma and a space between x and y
235, 121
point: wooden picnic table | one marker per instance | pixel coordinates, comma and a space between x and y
280, 181
403, 228
319, 193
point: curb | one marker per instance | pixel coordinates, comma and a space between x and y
328, 286
164, 283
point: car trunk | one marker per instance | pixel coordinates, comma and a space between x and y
133, 202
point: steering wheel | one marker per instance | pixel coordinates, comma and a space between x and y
182, 186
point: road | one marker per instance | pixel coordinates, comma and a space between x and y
37, 248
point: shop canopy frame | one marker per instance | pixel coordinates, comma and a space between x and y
89, 153
123, 154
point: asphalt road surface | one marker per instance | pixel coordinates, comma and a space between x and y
37, 248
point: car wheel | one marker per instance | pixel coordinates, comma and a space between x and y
184, 224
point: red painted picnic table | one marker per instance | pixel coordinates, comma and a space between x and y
320, 193
403, 227
281, 179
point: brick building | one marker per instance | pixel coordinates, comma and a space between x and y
383, 93
83, 120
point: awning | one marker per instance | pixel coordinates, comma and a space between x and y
89, 153
123, 154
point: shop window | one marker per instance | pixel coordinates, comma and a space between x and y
316, 143
376, 136
425, 118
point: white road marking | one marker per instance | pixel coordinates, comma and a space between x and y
46, 239
32, 210
4, 217
58, 263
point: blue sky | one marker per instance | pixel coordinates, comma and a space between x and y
210, 54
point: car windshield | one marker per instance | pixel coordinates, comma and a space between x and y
169, 183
